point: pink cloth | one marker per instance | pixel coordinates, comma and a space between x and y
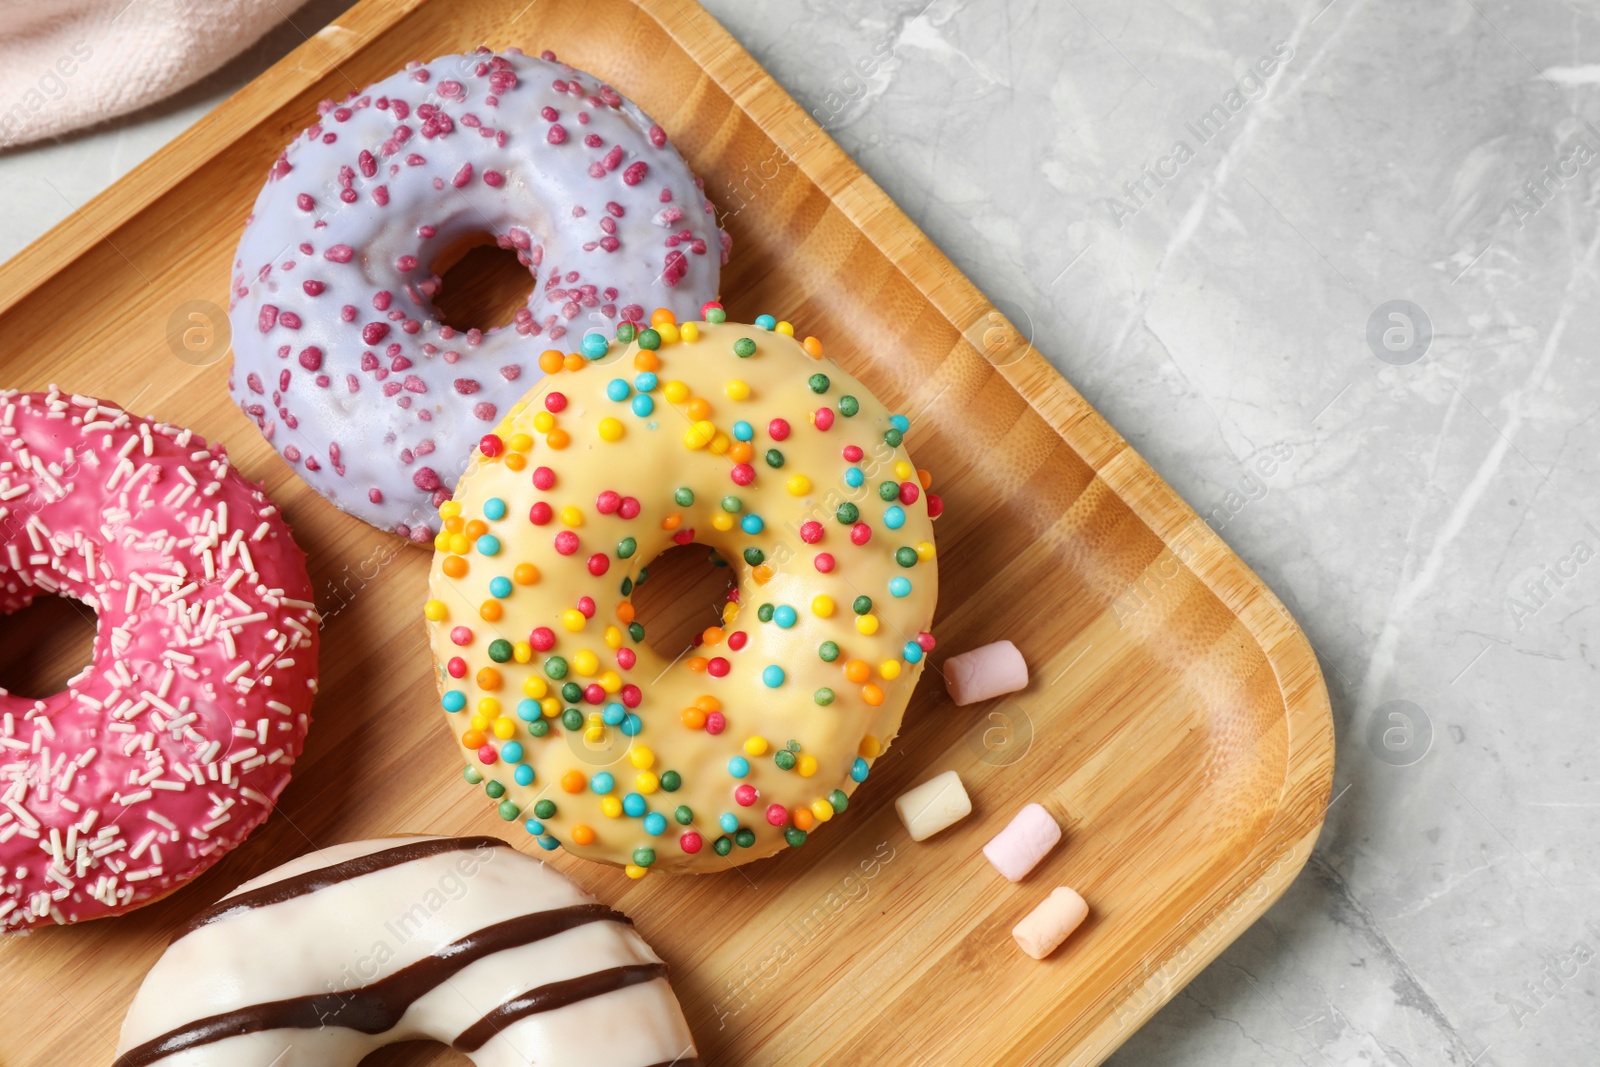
66, 64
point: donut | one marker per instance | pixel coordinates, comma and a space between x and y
462, 940
174, 743
736, 437
340, 357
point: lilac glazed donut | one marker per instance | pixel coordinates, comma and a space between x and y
340, 356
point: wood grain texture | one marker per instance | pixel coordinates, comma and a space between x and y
1177, 724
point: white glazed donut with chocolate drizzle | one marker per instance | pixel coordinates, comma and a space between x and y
464, 941
340, 357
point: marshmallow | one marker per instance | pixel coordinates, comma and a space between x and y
1025, 841
1046, 926
934, 805
985, 672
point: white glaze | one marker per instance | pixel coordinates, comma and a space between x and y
345, 936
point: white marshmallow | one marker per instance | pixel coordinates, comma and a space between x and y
938, 803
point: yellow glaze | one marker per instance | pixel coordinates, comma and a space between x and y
608, 459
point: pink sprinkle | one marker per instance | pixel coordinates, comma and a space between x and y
824, 418
608, 502
777, 814
626, 658
339, 254
557, 134
463, 176
461, 635
811, 531
466, 386
493, 178
658, 136
543, 478
305, 202
716, 722
373, 332
745, 795
540, 514
599, 563
268, 318
742, 474
860, 533
824, 562
566, 542
543, 638
426, 479
312, 287
853, 453
635, 173
629, 508
311, 358
778, 429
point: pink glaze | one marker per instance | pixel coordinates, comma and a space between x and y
985, 672
1026, 840
176, 741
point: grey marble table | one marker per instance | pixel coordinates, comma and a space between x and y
1353, 244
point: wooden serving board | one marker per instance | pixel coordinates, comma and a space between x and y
1177, 723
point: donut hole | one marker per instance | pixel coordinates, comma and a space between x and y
481, 285
683, 594
45, 645
421, 1053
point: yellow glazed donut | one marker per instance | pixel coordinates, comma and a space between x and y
737, 437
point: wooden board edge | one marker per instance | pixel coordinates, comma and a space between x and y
1308, 764
102, 215
1162, 980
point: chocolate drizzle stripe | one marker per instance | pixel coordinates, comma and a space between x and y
553, 996
323, 877
374, 1008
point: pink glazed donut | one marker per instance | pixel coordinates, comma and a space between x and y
339, 354
175, 742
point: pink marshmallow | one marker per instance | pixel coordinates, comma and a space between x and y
985, 672
1026, 840
1046, 926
